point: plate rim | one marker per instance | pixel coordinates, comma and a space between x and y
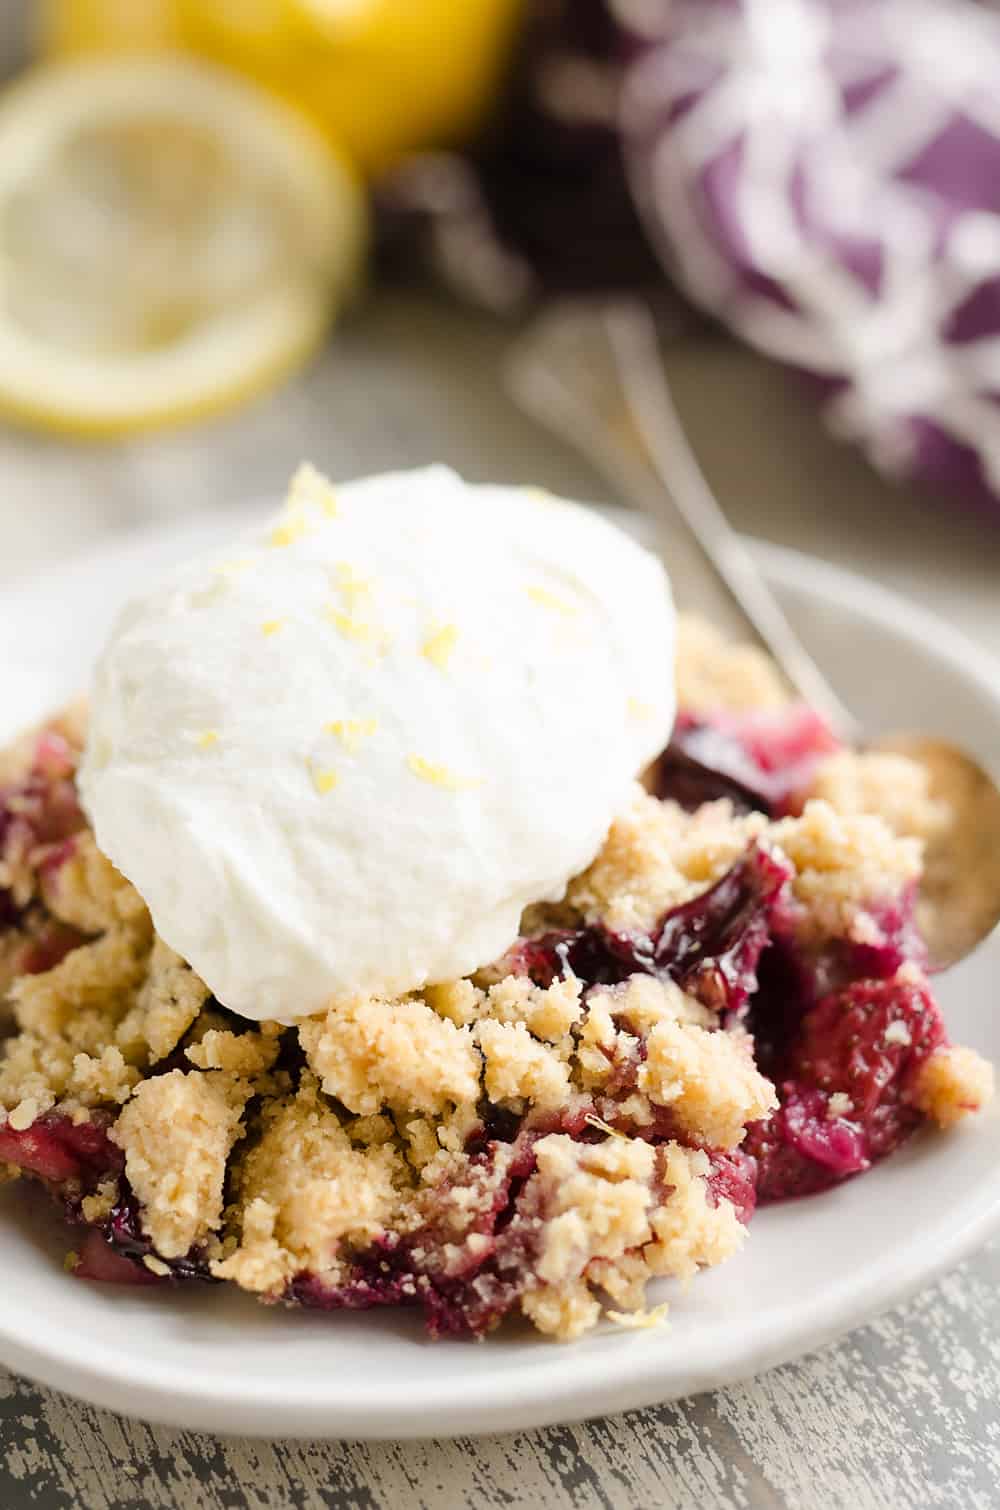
631, 1377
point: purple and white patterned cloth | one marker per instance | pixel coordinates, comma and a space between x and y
824, 176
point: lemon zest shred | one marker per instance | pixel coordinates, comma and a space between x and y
350, 582
351, 731
439, 646
547, 599
439, 775
323, 778
354, 629
640, 1320
289, 531
593, 1120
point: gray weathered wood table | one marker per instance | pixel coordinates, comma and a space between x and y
902, 1413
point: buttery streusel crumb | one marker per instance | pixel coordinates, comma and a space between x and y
844, 867
370, 1052
713, 672
67, 1018
643, 1001
460, 1001
88, 893
84, 997
690, 1231
954, 1083
101, 1078
599, 1204
708, 1080
884, 785
249, 1054
303, 1190
519, 1069
548, 1012
602, 1047
177, 1133
167, 1003
657, 856
607, 1229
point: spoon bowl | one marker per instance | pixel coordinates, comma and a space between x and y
959, 902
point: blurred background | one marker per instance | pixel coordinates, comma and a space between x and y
234, 236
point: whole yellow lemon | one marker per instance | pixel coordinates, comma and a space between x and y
383, 77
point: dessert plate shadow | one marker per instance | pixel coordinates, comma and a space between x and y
204, 1359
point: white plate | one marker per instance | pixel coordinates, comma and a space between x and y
208, 1359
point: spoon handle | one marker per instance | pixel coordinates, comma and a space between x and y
645, 452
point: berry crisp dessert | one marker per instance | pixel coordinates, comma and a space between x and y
716, 1001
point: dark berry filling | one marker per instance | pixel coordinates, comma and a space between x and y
122, 1234
62, 1152
733, 1178
97, 1259
760, 761
864, 1046
709, 946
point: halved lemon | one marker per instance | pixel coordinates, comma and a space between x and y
172, 239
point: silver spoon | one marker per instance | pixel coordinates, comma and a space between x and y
593, 374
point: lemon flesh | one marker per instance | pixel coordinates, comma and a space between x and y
171, 240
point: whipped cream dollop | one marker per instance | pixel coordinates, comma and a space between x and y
343, 755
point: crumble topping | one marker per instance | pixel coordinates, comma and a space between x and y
88, 893
86, 992
304, 1189
528, 1137
519, 1069
649, 1031
642, 1002
954, 1082
99, 1206
658, 856
845, 868
176, 1133
370, 1052
683, 1069
167, 1003
889, 786
250, 1054
67, 1017
90, 1026
599, 1204
713, 672
548, 1013
624, 1212
690, 1232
